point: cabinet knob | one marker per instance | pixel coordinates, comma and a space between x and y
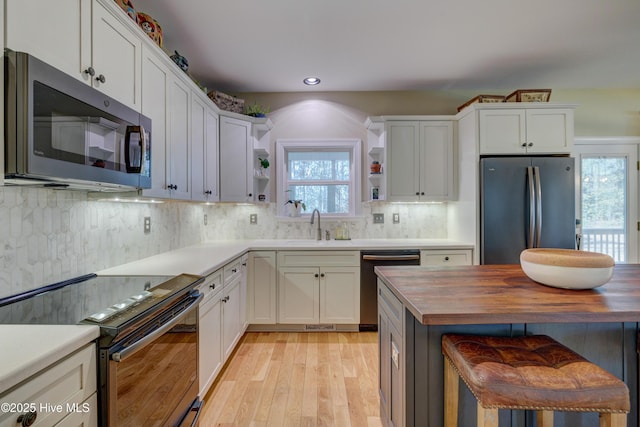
234, 270
530, 144
212, 286
422, 193
101, 78
208, 192
90, 71
172, 187
321, 274
417, 193
250, 195
446, 258
315, 275
524, 144
244, 264
27, 419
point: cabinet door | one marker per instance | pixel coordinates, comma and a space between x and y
155, 102
261, 298
211, 148
198, 161
384, 365
210, 341
235, 160
437, 177
179, 176
298, 295
116, 54
403, 161
340, 295
244, 270
502, 131
549, 131
230, 317
53, 31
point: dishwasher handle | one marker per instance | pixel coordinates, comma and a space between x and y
391, 257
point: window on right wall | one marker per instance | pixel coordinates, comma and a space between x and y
323, 174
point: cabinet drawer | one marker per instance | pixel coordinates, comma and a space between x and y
318, 258
453, 257
211, 286
69, 381
232, 270
390, 305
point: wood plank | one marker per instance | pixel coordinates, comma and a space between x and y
298, 379
495, 294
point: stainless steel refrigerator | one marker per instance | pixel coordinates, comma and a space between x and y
525, 202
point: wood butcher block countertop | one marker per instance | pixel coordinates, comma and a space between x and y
492, 294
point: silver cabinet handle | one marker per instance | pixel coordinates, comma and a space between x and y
122, 355
390, 257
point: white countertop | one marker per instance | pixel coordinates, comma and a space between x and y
205, 258
27, 349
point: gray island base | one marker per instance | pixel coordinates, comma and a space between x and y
416, 305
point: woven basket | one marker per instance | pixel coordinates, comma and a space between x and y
227, 102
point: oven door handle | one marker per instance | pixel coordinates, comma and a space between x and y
122, 355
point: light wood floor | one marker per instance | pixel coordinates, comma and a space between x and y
298, 379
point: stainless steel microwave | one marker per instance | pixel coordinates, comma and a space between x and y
61, 132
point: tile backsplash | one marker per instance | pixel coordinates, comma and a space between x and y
52, 235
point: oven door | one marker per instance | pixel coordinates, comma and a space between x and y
153, 381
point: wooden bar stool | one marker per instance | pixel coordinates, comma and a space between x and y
531, 372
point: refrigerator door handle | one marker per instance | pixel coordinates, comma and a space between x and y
532, 215
538, 206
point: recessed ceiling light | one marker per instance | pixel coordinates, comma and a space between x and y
311, 81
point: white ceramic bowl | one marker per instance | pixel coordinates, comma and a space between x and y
567, 268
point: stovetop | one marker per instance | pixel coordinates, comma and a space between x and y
107, 301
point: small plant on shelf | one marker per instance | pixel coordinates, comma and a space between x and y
256, 110
264, 163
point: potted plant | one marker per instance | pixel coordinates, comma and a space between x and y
264, 163
295, 206
256, 110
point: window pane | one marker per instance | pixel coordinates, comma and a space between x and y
324, 166
325, 198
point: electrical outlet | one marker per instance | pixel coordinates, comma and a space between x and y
206, 221
147, 224
378, 218
396, 218
253, 219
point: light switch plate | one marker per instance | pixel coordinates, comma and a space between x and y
378, 218
396, 218
253, 219
206, 219
147, 224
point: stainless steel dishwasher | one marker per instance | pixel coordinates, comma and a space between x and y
368, 280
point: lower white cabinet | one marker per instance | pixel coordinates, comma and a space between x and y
231, 306
71, 382
442, 257
210, 332
262, 292
319, 287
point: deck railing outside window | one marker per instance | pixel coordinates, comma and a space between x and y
608, 241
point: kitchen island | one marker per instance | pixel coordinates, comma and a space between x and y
419, 304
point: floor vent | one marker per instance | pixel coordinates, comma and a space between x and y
319, 327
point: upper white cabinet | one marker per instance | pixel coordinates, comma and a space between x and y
204, 150
236, 159
541, 130
243, 140
84, 38
178, 168
420, 160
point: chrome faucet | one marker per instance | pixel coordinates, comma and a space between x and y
319, 231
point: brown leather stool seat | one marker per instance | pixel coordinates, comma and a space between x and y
531, 372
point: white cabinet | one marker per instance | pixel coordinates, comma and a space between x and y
261, 298
81, 37
318, 287
525, 130
244, 272
236, 160
420, 160
443, 257
69, 382
178, 167
231, 306
210, 331
204, 150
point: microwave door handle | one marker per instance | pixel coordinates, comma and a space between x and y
532, 201
122, 355
143, 149
538, 206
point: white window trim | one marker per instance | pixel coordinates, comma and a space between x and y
355, 145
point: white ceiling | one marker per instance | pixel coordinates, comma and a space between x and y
371, 45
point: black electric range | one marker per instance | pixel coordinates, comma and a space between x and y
115, 303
